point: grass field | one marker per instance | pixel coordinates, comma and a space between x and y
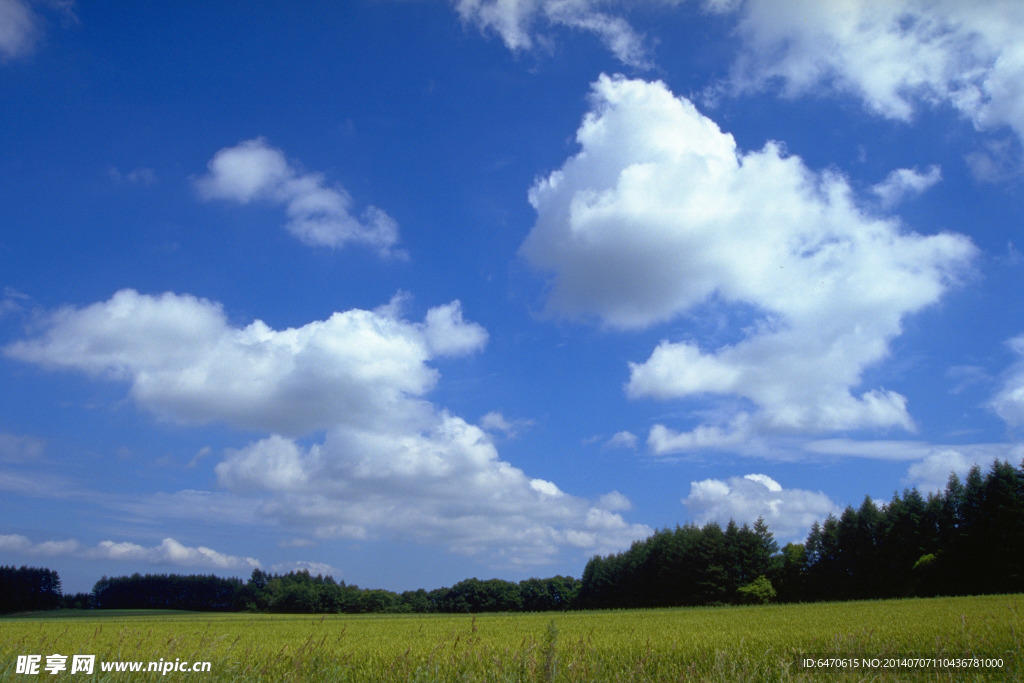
764, 643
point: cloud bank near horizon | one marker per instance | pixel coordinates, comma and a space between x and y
392, 464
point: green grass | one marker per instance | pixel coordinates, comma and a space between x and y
729, 643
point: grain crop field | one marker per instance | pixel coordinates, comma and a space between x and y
763, 643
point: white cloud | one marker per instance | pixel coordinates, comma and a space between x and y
623, 439
545, 487
391, 464
319, 215
14, 543
995, 160
905, 182
966, 376
447, 334
13, 302
895, 55
789, 513
437, 481
169, 551
615, 501
892, 449
19, 29
494, 421
932, 472
314, 568
661, 440
1008, 402
930, 463
660, 214
515, 22
186, 362
274, 462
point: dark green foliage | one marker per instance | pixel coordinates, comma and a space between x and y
791, 574
77, 601
299, 592
167, 591
416, 601
474, 595
545, 595
967, 540
689, 565
28, 588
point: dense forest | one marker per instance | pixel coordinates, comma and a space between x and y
300, 592
969, 539
28, 588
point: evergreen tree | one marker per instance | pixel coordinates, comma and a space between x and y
867, 580
1001, 530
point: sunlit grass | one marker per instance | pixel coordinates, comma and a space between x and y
728, 643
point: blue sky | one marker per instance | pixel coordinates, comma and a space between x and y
408, 292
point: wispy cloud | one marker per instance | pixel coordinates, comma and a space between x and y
516, 21
19, 29
623, 439
319, 214
494, 421
168, 552
314, 568
905, 182
930, 464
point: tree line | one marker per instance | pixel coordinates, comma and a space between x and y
299, 592
968, 539
29, 588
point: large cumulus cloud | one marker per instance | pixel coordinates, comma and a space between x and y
440, 481
392, 464
660, 214
183, 360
